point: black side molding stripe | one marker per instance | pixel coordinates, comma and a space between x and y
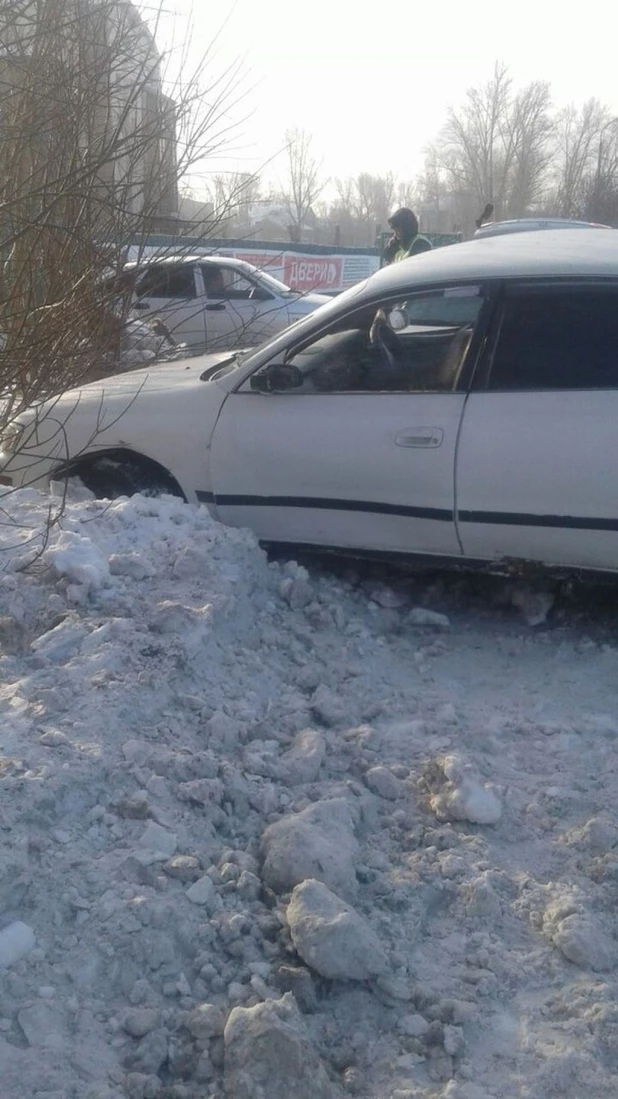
322, 504
443, 515
522, 519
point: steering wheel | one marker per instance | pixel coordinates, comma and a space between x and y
382, 336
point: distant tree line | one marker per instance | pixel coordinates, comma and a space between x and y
502, 144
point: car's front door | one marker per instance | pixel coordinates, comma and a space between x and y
361, 454
239, 313
538, 453
170, 292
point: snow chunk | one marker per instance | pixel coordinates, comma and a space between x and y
157, 839
302, 762
385, 597
16, 941
206, 1021
129, 564
318, 842
599, 834
268, 1053
464, 797
415, 1025
44, 1027
383, 782
456, 1089
202, 891
328, 707
533, 605
582, 941
422, 616
331, 937
77, 558
185, 868
578, 935
60, 644
139, 1021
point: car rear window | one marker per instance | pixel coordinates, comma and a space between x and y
565, 339
167, 281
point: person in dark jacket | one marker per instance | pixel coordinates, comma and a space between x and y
406, 240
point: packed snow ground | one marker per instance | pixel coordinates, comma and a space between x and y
227, 784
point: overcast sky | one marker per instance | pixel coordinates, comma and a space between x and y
372, 82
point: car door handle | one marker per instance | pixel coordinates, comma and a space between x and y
142, 305
216, 308
425, 437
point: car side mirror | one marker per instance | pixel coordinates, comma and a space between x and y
277, 378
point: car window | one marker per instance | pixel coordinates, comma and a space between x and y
226, 283
414, 346
166, 281
557, 339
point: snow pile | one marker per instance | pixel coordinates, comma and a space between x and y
464, 797
140, 344
269, 833
143, 342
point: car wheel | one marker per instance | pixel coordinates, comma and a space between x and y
109, 477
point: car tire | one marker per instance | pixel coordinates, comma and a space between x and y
109, 477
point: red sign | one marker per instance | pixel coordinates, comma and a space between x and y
312, 272
300, 271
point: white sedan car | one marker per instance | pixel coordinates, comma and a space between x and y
459, 407
216, 302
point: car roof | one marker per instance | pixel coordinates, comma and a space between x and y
147, 261
526, 225
546, 253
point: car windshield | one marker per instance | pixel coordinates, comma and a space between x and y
276, 286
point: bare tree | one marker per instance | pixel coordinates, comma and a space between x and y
429, 184
600, 198
364, 204
303, 185
407, 193
495, 147
528, 128
470, 147
233, 194
346, 194
374, 197
92, 148
576, 154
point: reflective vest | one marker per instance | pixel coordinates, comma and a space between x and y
412, 248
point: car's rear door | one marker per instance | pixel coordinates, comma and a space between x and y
347, 461
538, 453
173, 293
